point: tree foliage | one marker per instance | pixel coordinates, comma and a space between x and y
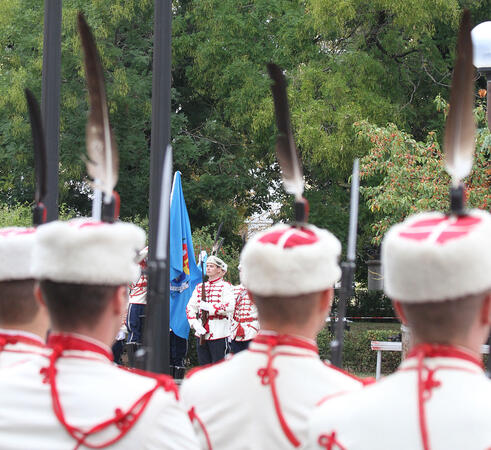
345, 60
409, 176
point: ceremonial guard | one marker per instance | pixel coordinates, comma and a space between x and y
76, 397
262, 397
137, 302
209, 310
23, 321
245, 324
437, 271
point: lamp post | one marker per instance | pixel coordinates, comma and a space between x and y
481, 46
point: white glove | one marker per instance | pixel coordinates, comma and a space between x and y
200, 329
205, 306
121, 335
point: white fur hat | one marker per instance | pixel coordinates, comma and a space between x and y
286, 261
88, 252
212, 259
433, 257
16, 245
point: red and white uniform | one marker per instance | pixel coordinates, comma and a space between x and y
261, 398
439, 399
77, 398
245, 324
220, 295
138, 291
17, 347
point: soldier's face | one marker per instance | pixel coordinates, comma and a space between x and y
213, 271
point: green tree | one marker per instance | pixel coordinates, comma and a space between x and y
407, 176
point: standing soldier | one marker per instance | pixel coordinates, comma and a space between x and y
23, 321
272, 387
209, 315
437, 272
245, 324
137, 302
76, 397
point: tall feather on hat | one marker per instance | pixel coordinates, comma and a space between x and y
460, 128
103, 160
286, 150
40, 158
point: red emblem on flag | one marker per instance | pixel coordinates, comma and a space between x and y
185, 259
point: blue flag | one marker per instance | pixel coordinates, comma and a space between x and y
184, 273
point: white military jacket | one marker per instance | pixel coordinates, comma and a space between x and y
17, 346
262, 397
138, 291
449, 407
245, 324
77, 397
220, 295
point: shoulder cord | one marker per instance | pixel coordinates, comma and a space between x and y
268, 375
122, 420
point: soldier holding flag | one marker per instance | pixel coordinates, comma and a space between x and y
218, 302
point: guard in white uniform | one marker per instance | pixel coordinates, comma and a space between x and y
261, 398
437, 272
77, 397
245, 323
219, 305
23, 321
137, 302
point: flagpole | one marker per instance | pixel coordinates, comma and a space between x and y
50, 99
158, 359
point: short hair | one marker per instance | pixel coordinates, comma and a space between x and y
73, 305
439, 322
294, 310
18, 305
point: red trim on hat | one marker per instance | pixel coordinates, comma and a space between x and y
122, 420
16, 231
447, 228
192, 417
299, 236
89, 223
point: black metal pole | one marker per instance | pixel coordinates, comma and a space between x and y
160, 138
50, 99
